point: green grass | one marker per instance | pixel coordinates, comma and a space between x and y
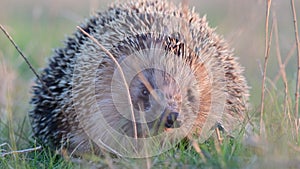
230, 154
278, 147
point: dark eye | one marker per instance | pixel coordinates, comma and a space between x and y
145, 92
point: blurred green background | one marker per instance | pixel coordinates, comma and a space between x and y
39, 26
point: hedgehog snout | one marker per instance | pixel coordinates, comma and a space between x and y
171, 120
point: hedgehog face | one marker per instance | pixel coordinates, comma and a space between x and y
163, 88
156, 99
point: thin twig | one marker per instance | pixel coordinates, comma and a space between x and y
122, 74
281, 66
24, 57
286, 61
282, 72
5, 144
21, 151
198, 150
267, 50
298, 54
219, 138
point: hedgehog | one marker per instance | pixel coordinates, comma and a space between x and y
134, 76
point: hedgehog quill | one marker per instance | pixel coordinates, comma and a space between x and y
165, 75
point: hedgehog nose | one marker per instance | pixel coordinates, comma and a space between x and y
171, 118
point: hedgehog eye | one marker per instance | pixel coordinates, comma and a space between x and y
145, 92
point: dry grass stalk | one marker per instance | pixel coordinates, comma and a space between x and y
218, 141
267, 51
8, 76
298, 65
286, 61
282, 70
282, 73
122, 74
21, 151
198, 150
219, 138
24, 57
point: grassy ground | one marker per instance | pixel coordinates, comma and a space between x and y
39, 26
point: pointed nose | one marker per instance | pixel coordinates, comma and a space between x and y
171, 118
